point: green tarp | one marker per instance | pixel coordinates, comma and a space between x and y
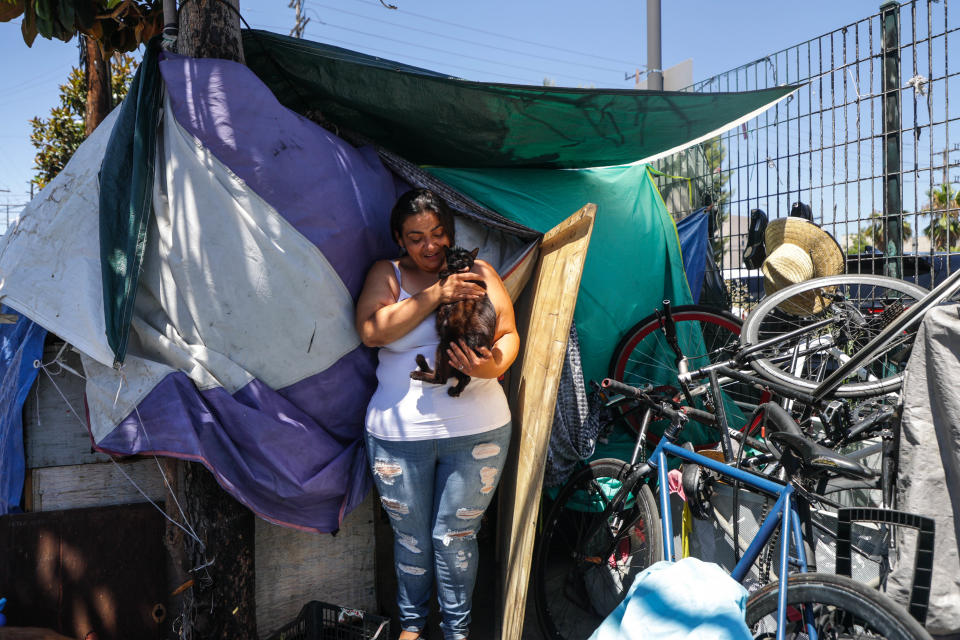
634, 260
433, 119
126, 198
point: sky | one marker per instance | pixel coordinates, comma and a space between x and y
571, 43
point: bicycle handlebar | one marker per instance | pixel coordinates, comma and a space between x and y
662, 408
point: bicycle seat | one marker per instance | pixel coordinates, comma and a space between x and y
786, 434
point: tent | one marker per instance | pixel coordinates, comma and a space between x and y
214, 315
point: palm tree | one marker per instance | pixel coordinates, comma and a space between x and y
944, 227
872, 234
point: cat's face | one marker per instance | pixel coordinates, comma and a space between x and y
424, 238
459, 259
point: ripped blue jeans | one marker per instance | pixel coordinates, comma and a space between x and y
435, 492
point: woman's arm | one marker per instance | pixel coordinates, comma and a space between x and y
381, 319
506, 340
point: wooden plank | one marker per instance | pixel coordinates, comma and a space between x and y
544, 318
95, 485
86, 570
294, 567
53, 434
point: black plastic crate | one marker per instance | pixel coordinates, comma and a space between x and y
322, 621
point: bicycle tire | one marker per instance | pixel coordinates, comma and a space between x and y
631, 349
843, 608
573, 589
643, 356
874, 297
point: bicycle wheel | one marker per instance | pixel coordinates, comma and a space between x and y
577, 580
704, 334
856, 308
841, 608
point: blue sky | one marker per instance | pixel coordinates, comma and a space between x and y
572, 43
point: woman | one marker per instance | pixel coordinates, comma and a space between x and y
436, 459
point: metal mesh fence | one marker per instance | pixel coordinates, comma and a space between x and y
869, 141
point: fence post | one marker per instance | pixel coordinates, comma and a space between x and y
892, 199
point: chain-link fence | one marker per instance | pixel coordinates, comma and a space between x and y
869, 141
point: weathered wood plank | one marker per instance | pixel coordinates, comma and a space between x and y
53, 435
95, 485
544, 319
294, 567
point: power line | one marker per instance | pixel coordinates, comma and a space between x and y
446, 51
479, 44
497, 35
358, 46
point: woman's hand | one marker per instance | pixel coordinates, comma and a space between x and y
457, 286
467, 360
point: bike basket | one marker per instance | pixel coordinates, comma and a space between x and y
322, 621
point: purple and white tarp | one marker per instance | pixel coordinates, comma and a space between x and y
243, 353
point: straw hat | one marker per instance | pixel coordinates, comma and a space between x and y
797, 251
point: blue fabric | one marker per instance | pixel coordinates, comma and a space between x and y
693, 245
685, 600
435, 492
20, 345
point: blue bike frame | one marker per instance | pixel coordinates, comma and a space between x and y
790, 526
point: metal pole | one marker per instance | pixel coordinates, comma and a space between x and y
654, 64
892, 196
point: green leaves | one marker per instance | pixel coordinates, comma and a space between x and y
58, 136
119, 25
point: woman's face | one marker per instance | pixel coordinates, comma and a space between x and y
424, 238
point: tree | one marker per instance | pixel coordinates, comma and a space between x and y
872, 234
210, 29
57, 137
118, 25
944, 227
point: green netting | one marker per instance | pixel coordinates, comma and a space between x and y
430, 118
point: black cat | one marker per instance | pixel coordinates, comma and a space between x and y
473, 321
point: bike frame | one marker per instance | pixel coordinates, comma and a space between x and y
784, 514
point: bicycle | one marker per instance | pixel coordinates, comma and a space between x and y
589, 553
855, 346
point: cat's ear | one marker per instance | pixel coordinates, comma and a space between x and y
473, 254
447, 251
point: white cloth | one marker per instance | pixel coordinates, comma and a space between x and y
405, 409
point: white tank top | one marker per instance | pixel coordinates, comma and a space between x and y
407, 409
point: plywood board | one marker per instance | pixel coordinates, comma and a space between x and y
544, 319
95, 485
86, 571
294, 567
53, 433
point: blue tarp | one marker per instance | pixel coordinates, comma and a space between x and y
20, 345
693, 245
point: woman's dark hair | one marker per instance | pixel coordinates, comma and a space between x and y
418, 201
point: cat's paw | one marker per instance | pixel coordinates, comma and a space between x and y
422, 363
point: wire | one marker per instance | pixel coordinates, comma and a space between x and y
463, 55
428, 60
497, 35
479, 44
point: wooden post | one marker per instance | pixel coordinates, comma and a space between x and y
544, 318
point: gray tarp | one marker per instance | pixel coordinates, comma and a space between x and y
929, 480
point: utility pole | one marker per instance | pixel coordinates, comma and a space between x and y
654, 63
300, 22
